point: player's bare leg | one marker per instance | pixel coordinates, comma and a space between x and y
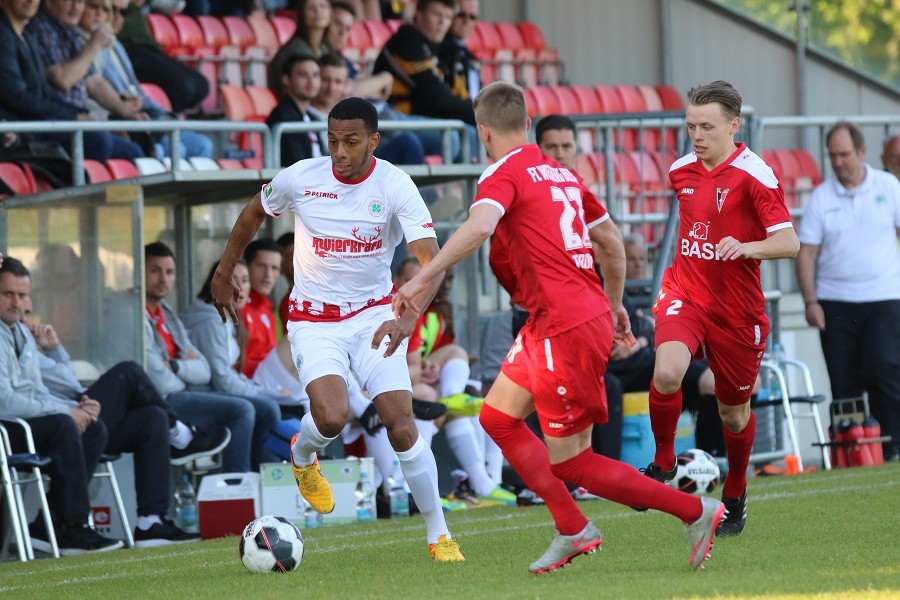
419, 469
739, 431
672, 362
329, 408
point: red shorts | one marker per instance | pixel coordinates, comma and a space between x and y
564, 374
733, 353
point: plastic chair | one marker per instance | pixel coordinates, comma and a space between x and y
532, 35
808, 166
588, 99
12, 505
359, 36
163, 32
651, 97
632, 100
149, 166
227, 164
105, 471
610, 101
239, 32
120, 168
670, 97
190, 36
96, 172
214, 32
262, 98
14, 177
567, 100
490, 39
202, 163
284, 29
264, 32
24, 461
157, 94
510, 36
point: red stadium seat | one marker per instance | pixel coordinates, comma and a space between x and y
588, 99
651, 97
531, 104
568, 101
190, 36
264, 32
96, 172
610, 101
157, 94
394, 25
587, 169
771, 159
284, 29
359, 36
671, 98
647, 167
16, 179
163, 32
550, 65
379, 33
547, 102
532, 35
790, 164
663, 161
474, 43
527, 66
490, 39
632, 100
214, 32
229, 163
626, 169
808, 166
238, 104
510, 36
257, 65
599, 162
119, 168
263, 99
37, 181
252, 163
239, 32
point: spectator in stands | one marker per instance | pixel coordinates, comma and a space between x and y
890, 156
461, 69
173, 363
115, 66
26, 93
68, 432
184, 86
310, 37
286, 243
224, 347
364, 85
300, 82
411, 57
227, 8
137, 420
400, 148
263, 258
848, 237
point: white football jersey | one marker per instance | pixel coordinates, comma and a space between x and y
345, 233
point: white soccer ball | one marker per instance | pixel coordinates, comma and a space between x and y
271, 544
698, 472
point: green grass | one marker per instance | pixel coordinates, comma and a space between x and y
819, 535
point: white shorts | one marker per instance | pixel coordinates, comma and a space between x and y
333, 348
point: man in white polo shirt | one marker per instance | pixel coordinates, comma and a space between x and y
851, 226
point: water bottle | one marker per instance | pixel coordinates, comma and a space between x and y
312, 518
186, 505
398, 493
365, 499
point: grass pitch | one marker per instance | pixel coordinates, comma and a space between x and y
818, 535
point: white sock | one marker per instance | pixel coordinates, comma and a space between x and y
420, 470
493, 456
180, 436
145, 523
379, 447
470, 453
427, 430
454, 375
308, 442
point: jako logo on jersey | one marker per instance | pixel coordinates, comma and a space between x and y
687, 191
317, 194
744, 388
700, 231
720, 197
359, 245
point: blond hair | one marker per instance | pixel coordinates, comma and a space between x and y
501, 106
718, 91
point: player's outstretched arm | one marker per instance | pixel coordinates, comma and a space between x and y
610, 253
224, 289
480, 225
779, 244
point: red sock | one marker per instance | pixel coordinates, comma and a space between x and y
528, 456
737, 448
623, 483
664, 412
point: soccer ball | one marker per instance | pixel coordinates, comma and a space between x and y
269, 544
697, 473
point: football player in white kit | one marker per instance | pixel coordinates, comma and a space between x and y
351, 211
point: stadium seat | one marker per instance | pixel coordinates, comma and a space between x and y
587, 170
120, 168
510, 36
587, 97
16, 179
626, 169
651, 98
96, 172
214, 32
252, 163
506, 64
257, 65
527, 67
663, 161
284, 29
238, 104
263, 99
227, 164
379, 33
610, 101
149, 166
808, 166
546, 99
239, 32
163, 32
190, 36
264, 33
632, 100
201, 163
532, 35
550, 66
567, 100
359, 36
490, 39
531, 104
671, 98
157, 94
394, 25
105, 471
772, 160
790, 164
183, 164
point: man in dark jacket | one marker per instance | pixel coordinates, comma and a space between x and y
300, 80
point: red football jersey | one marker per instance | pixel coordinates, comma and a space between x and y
740, 198
541, 251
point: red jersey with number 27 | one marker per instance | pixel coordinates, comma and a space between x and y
541, 251
740, 198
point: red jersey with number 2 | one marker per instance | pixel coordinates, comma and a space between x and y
740, 198
541, 251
